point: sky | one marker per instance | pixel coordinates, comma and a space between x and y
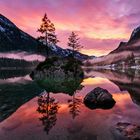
100, 24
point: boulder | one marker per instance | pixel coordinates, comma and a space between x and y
99, 98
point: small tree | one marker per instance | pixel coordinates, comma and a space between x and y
73, 42
47, 30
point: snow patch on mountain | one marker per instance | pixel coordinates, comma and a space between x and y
2, 29
53, 47
135, 32
5, 21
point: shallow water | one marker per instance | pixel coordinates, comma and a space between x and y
71, 119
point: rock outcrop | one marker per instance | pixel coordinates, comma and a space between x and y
59, 75
99, 98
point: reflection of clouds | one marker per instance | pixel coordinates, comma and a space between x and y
91, 83
89, 123
94, 81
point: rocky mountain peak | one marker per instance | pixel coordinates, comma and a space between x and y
135, 34
4, 22
14, 39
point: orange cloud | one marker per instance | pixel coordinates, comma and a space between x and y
93, 20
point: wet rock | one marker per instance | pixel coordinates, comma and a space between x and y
99, 98
128, 130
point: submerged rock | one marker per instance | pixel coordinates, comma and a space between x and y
99, 98
128, 130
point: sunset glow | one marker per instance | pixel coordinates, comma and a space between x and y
101, 24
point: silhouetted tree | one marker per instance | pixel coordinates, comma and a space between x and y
48, 108
73, 42
47, 30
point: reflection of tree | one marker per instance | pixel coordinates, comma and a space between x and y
74, 106
48, 108
74, 103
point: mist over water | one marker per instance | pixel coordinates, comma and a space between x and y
22, 55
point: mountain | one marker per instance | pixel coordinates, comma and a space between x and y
126, 55
14, 39
132, 45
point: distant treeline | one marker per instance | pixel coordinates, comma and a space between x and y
16, 63
4, 74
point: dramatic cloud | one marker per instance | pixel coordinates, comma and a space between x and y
100, 24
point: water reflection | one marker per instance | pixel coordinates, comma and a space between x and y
14, 92
126, 81
74, 106
67, 85
48, 108
63, 115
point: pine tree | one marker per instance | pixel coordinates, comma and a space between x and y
47, 30
73, 42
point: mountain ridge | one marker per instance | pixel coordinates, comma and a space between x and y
133, 43
14, 39
126, 55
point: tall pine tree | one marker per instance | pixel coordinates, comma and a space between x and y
73, 43
47, 30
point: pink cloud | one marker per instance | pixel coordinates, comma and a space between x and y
101, 24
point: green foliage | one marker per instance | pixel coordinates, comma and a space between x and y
67, 85
59, 75
49, 62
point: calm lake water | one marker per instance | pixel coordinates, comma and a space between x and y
23, 114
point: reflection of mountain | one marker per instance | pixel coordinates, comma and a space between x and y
13, 95
125, 82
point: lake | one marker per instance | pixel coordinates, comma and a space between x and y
26, 115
